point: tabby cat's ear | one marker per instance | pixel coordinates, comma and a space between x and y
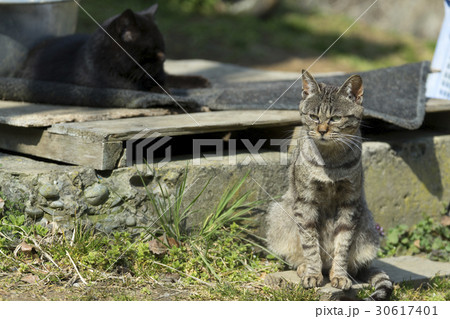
353, 89
126, 26
150, 11
309, 85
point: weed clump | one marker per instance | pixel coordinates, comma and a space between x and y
426, 237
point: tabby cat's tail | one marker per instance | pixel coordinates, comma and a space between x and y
379, 280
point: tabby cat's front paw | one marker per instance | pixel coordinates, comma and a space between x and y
341, 282
312, 281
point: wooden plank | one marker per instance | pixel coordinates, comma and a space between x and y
173, 125
25, 114
63, 148
436, 105
43, 115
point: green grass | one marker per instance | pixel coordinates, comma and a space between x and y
252, 41
216, 261
216, 254
437, 289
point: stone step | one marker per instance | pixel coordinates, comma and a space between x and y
400, 269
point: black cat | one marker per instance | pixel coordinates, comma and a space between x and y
98, 61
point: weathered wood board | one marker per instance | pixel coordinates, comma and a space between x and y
99, 144
26, 114
63, 148
435, 105
180, 124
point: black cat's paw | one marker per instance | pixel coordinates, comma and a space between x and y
187, 81
202, 82
159, 89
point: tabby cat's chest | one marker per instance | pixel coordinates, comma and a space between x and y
328, 199
325, 194
331, 192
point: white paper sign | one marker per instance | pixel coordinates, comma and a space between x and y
438, 84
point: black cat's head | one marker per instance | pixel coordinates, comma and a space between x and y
138, 34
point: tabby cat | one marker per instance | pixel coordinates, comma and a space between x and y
98, 61
322, 223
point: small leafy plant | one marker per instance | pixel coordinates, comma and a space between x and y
427, 236
14, 226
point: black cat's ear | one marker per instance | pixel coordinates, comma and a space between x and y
353, 89
126, 26
309, 85
150, 12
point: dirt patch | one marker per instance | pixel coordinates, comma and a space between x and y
13, 288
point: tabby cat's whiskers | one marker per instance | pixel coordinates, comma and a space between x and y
347, 143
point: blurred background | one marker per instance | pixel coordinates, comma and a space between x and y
289, 35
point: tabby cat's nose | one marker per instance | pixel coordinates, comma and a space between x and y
322, 129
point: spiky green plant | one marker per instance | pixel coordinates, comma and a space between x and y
171, 212
229, 210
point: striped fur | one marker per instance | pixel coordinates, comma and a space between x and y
322, 223
379, 280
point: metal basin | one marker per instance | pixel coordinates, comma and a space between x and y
24, 23
30, 21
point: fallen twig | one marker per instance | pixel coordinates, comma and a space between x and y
5, 236
46, 255
76, 269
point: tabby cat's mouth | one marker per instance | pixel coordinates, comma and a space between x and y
323, 140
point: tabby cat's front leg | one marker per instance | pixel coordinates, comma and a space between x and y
310, 272
343, 235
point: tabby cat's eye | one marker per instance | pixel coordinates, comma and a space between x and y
313, 117
335, 118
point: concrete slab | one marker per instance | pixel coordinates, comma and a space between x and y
412, 268
406, 176
220, 73
400, 269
